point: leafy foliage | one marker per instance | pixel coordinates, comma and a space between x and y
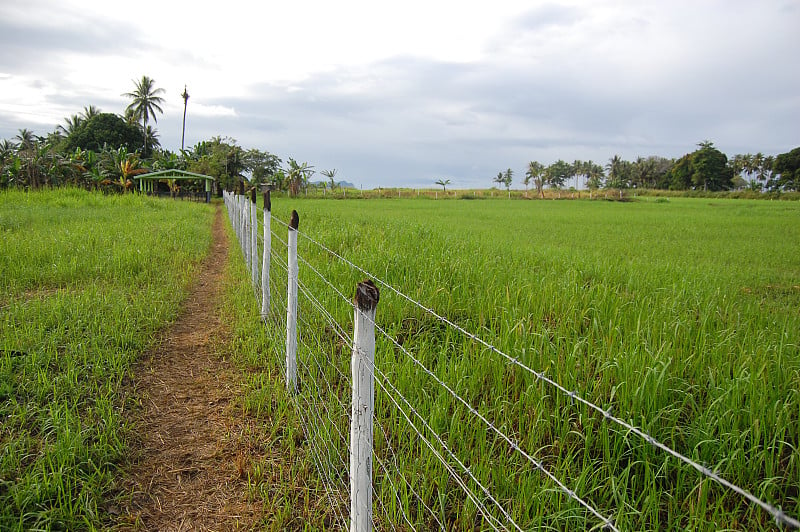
104, 129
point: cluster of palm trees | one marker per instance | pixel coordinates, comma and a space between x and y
32, 161
756, 168
753, 172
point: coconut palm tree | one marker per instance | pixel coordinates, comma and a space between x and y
535, 172
145, 103
71, 123
185, 96
594, 175
443, 183
25, 139
89, 111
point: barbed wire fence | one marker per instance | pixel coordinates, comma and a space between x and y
422, 480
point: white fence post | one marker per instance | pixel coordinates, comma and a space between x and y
252, 211
291, 310
242, 226
363, 403
246, 228
266, 257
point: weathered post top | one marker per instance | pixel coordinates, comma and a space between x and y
267, 201
367, 295
253, 195
294, 222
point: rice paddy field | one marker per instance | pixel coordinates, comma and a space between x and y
86, 283
678, 316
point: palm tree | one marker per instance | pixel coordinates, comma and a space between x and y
330, 174
616, 169
535, 172
500, 179
152, 134
185, 96
71, 123
145, 102
25, 139
298, 175
507, 178
443, 183
89, 112
594, 175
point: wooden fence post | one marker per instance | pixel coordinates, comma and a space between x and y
362, 364
253, 213
267, 250
291, 310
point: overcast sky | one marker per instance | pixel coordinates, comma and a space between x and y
410, 92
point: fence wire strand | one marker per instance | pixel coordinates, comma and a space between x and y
779, 516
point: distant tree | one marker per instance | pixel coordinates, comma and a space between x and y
103, 129
764, 171
261, 165
577, 169
71, 124
619, 172
535, 173
709, 167
89, 111
145, 103
594, 175
185, 96
680, 175
122, 166
786, 169
739, 183
500, 179
443, 183
504, 178
155, 143
298, 175
221, 158
558, 173
26, 140
330, 174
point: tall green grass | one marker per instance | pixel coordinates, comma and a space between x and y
680, 316
86, 283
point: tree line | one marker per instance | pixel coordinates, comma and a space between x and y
99, 150
106, 151
706, 168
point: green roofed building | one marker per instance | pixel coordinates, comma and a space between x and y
148, 182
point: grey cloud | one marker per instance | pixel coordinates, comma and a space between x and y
25, 43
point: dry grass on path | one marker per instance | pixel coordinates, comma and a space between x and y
192, 445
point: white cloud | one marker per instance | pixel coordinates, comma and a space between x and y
396, 92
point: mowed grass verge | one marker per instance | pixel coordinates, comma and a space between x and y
680, 316
86, 283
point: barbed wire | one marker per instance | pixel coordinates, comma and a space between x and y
779, 516
338, 329
513, 444
473, 497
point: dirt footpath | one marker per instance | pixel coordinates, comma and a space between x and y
192, 443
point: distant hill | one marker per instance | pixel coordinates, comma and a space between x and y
340, 184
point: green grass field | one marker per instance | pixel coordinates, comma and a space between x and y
86, 282
679, 315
